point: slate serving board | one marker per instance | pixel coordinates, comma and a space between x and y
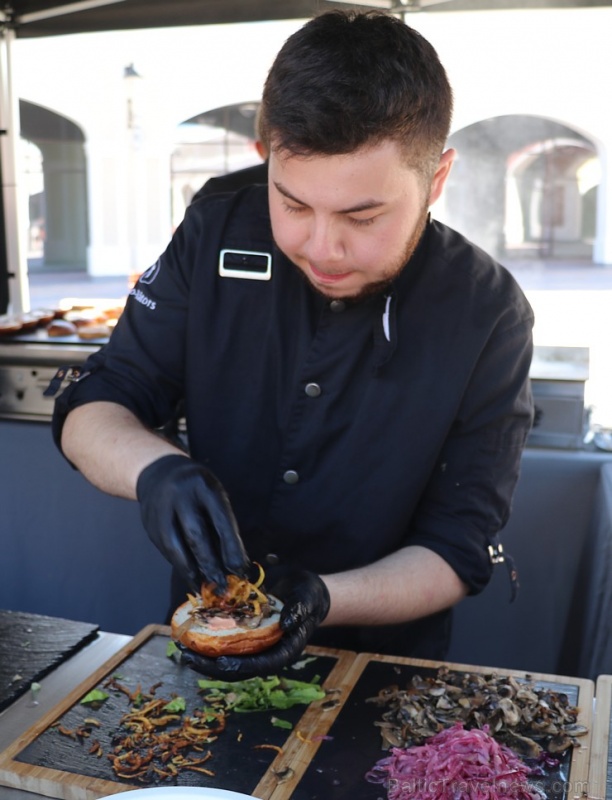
337, 770
31, 645
47, 762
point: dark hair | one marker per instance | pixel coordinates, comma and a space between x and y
349, 79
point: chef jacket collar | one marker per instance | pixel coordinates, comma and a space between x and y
385, 324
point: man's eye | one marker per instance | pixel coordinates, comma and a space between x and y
293, 209
361, 222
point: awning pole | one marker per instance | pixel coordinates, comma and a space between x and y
15, 220
61, 11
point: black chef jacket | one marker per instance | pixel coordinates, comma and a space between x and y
232, 181
341, 431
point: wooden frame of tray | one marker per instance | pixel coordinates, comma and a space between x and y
579, 766
600, 749
285, 770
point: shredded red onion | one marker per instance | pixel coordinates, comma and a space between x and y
455, 764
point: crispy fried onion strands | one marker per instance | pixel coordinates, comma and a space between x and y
155, 745
240, 595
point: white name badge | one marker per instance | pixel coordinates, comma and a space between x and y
246, 264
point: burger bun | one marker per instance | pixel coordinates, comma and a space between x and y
222, 635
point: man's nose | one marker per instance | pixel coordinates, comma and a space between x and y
324, 243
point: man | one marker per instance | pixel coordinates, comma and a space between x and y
355, 375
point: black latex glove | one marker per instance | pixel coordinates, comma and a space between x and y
188, 517
306, 604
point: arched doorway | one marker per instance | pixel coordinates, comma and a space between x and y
57, 196
524, 187
212, 143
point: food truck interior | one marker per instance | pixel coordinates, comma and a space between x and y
70, 551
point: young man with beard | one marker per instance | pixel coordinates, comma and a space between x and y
354, 374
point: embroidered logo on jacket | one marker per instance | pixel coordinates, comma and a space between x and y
149, 275
141, 298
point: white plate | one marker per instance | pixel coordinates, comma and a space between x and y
175, 792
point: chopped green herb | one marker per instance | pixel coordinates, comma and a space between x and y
176, 705
96, 696
304, 662
172, 650
209, 714
281, 723
260, 694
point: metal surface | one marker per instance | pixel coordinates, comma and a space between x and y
558, 376
26, 369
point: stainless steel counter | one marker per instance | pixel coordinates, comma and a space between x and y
25, 712
27, 364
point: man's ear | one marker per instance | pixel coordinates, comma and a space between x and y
261, 149
441, 174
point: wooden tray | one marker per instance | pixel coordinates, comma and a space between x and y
336, 766
44, 761
600, 768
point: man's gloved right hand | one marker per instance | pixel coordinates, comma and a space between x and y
188, 517
306, 604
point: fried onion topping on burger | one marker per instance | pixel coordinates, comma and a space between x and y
242, 619
245, 602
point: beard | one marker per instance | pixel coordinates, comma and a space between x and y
391, 272
380, 286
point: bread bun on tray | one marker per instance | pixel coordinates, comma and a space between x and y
93, 331
10, 325
61, 327
242, 620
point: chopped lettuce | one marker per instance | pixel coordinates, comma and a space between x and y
261, 694
177, 705
95, 697
172, 650
304, 662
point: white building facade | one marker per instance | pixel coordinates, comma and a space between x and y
505, 67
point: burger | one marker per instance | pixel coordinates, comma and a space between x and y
241, 620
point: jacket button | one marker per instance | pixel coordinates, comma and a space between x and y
312, 389
337, 306
272, 559
291, 476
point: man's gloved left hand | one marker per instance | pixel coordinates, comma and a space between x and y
306, 604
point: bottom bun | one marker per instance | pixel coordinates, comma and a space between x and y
197, 635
